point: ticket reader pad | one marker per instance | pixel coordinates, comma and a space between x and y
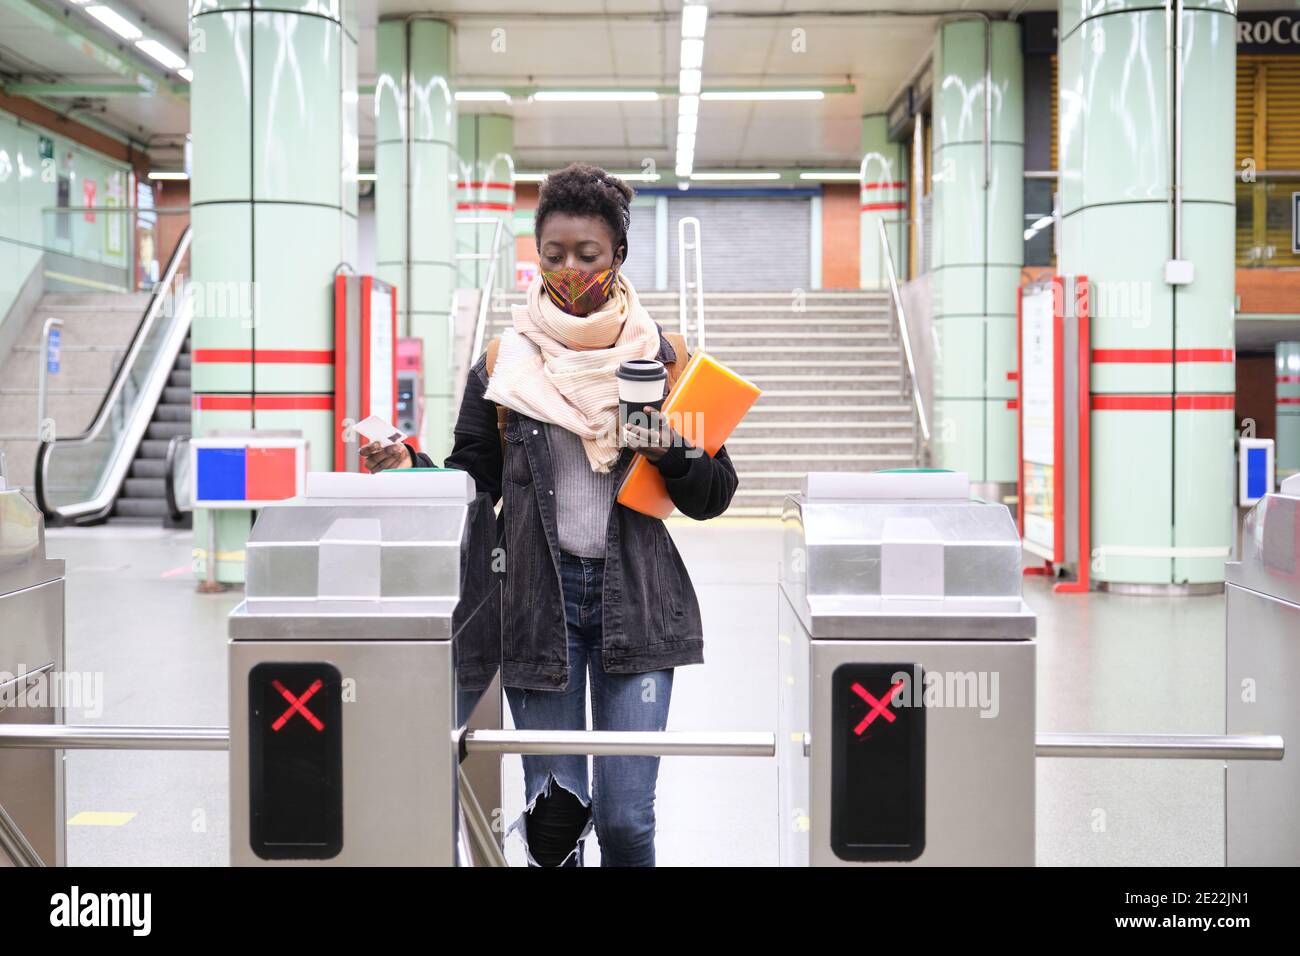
366, 638
907, 676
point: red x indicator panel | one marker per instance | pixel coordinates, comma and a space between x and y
295, 760
877, 763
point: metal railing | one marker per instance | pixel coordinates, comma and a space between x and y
481, 848
489, 281
907, 371
690, 287
101, 455
647, 743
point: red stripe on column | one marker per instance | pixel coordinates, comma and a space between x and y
269, 356
1205, 403
1154, 356
893, 185
1162, 403
872, 206
1288, 400
1132, 403
494, 206
1288, 379
1013, 376
1013, 403
263, 403
462, 184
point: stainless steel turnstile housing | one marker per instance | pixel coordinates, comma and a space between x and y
354, 660
899, 580
31, 651
1262, 674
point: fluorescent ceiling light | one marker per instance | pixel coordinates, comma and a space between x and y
365, 177
168, 58
529, 177
694, 18
734, 176
186, 74
765, 95
482, 96
686, 142
580, 96
639, 177
687, 124
688, 82
682, 170
115, 22
692, 57
846, 176
688, 106
168, 174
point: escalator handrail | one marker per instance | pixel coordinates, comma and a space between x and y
97, 505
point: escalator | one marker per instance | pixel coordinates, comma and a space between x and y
144, 493
118, 465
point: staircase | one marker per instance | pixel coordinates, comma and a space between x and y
97, 329
144, 490
831, 378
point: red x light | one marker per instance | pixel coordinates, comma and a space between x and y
879, 708
297, 705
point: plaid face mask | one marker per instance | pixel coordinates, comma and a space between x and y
577, 292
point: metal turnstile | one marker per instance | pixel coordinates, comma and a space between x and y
907, 676
1263, 671
367, 637
31, 672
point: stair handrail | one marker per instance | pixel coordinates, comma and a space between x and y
99, 504
909, 365
683, 284
489, 284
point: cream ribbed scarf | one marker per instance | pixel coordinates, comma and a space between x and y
559, 368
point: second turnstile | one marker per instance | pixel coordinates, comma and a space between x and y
907, 676
367, 637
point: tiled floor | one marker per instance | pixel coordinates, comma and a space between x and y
1105, 663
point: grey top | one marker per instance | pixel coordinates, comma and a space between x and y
582, 497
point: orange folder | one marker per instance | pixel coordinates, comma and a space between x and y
705, 406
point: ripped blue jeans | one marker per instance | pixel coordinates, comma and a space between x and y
622, 795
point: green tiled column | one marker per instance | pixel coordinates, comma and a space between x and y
882, 190
1163, 364
978, 248
486, 190
415, 200
1288, 409
273, 197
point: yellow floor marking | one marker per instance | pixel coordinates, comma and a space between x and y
101, 818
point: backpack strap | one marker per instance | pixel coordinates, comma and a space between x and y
674, 368
493, 347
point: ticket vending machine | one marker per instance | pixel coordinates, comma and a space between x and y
368, 636
907, 676
410, 388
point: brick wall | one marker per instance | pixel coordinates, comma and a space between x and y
840, 236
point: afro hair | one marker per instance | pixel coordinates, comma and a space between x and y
581, 189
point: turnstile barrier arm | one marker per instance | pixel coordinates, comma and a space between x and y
621, 743
1162, 746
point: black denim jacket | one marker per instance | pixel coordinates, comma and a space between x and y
650, 615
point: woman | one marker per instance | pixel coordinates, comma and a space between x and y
591, 586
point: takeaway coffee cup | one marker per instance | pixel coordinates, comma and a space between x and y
640, 383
